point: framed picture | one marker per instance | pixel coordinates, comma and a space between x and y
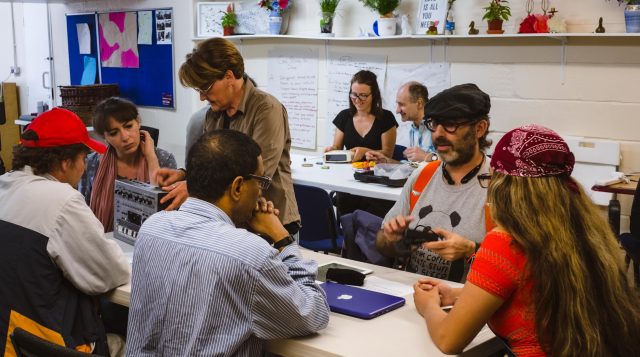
209, 15
431, 11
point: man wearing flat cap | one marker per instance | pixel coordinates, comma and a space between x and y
54, 257
446, 196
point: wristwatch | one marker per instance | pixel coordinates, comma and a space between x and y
284, 242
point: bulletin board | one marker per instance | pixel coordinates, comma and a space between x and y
150, 83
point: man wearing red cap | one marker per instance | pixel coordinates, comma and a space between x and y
54, 257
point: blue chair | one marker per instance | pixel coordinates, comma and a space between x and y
631, 241
397, 152
319, 231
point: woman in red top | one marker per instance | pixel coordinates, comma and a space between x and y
549, 279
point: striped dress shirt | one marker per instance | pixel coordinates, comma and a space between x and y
202, 287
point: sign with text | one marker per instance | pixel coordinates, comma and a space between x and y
431, 11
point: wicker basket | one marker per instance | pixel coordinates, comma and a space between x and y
82, 99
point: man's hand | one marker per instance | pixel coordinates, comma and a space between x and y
394, 229
265, 220
453, 247
414, 154
167, 177
376, 156
177, 192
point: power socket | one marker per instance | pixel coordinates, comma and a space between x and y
15, 70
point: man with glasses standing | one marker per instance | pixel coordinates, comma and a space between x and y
202, 285
215, 69
445, 196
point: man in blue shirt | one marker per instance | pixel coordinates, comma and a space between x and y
201, 285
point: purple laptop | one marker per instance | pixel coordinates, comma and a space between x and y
360, 303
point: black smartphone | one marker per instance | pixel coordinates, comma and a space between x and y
142, 137
417, 237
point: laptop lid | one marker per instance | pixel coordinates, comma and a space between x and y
357, 302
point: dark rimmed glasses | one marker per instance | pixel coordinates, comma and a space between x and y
360, 96
263, 181
450, 126
484, 180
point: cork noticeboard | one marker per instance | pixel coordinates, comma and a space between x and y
9, 131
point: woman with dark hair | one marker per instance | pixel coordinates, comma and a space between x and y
549, 279
365, 126
131, 154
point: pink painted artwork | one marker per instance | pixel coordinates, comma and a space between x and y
118, 32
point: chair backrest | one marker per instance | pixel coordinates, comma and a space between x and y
634, 218
397, 152
29, 345
318, 217
154, 132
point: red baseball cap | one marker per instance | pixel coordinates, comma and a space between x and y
58, 127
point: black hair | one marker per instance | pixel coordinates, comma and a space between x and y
44, 160
120, 109
216, 159
368, 78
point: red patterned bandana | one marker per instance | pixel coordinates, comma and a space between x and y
532, 151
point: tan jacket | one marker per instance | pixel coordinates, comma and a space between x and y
262, 117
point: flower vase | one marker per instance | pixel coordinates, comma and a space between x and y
326, 22
632, 18
387, 25
275, 22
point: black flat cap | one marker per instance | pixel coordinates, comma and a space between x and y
464, 101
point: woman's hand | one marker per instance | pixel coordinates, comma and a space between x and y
448, 295
147, 145
426, 296
359, 153
329, 148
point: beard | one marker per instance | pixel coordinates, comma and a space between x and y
459, 153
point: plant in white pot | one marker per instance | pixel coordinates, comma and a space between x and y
386, 23
631, 15
328, 8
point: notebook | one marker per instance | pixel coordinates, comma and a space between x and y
360, 303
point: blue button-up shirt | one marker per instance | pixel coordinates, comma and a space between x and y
202, 287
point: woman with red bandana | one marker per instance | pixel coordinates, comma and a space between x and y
548, 279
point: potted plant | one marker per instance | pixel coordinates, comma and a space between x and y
386, 23
229, 21
497, 12
328, 8
631, 15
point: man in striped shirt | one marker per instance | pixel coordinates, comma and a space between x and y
201, 285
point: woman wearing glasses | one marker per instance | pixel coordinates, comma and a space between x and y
131, 154
365, 126
549, 279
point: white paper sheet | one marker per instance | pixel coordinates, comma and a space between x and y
145, 24
293, 79
84, 38
387, 286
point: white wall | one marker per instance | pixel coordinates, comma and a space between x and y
596, 94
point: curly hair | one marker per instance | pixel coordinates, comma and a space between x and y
45, 160
573, 260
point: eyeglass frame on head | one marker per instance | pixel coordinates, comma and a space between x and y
484, 180
263, 181
360, 96
446, 124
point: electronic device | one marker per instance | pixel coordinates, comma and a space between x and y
358, 302
417, 237
133, 203
336, 156
323, 268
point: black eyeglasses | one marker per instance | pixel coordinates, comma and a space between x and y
361, 96
263, 181
450, 126
204, 92
484, 180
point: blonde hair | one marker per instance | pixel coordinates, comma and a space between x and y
209, 62
584, 305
